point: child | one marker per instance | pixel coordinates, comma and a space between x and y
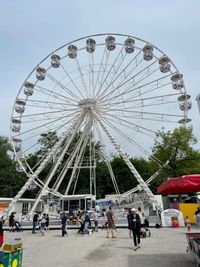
188, 223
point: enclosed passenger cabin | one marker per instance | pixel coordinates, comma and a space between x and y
40, 73
90, 45
165, 66
72, 51
184, 121
177, 81
16, 144
20, 106
148, 52
55, 61
185, 105
110, 43
129, 45
16, 125
28, 88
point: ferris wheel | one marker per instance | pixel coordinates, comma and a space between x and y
114, 89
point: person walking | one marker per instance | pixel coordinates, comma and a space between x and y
129, 223
135, 225
35, 222
96, 218
87, 224
64, 224
111, 222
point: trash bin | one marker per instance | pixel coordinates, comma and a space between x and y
11, 255
11, 259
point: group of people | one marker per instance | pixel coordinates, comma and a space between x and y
82, 219
40, 221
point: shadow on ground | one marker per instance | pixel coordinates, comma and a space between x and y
161, 260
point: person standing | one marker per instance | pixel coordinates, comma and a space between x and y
47, 222
64, 224
43, 223
135, 225
35, 222
87, 224
96, 218
111, 222
11, 222
188, 223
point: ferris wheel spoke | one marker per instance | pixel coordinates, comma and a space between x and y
110, 70
129, 140
49, 112
99, 70
134, 60
49, 122
127, 73
77, 161
75, 97
137, 117
34, 135
50, 93
126, 110
82, 77
103, 72
91, 74
160, 98
105, 154
77, 172
84, 136
134, 126
72, 81
37, 103
155, 84
131, 79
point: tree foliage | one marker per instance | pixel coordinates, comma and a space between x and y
175, 147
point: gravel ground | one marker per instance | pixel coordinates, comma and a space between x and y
166, 247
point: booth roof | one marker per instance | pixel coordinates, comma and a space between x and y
180, 185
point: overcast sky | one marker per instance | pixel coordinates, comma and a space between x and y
30, 30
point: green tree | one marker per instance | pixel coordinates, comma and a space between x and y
10, 180
176, 147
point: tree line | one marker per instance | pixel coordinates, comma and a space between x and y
176, 147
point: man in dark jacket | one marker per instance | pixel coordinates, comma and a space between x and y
64, 224
135, 225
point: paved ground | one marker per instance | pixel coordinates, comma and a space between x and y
166, 247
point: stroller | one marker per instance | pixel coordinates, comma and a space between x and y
18, 227
144, 231
81, 229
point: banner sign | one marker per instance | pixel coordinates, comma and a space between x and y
169, 216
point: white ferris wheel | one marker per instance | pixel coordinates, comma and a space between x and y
117, 88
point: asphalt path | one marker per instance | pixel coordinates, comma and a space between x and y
165, 248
